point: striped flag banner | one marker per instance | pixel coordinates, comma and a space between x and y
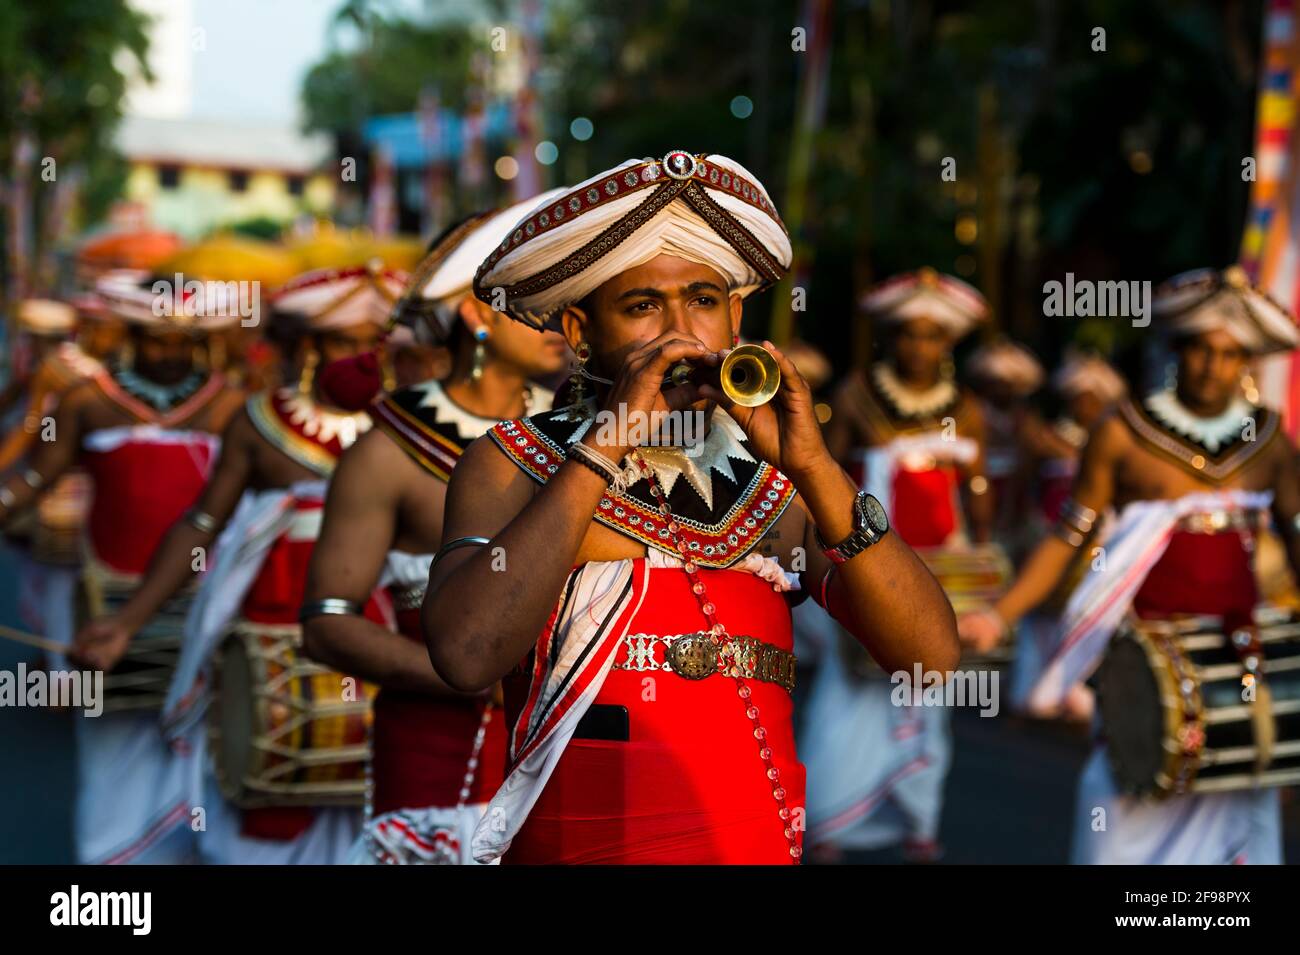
1269, 249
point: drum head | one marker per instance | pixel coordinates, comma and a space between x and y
1131, 715
234, 703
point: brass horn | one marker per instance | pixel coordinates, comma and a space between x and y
750, 375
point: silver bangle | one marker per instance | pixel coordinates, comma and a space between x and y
452, 545
7, 497
33, 479
201, 521
330, 606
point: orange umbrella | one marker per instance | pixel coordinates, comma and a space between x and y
134, 249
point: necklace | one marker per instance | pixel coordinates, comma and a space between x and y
1211, 433
159, 397
717, 634
908, 402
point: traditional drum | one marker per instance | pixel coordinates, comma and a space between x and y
972, 578
60, 520
285, 731
140, 679
1189, 708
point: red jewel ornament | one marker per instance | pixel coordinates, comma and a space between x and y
719, 632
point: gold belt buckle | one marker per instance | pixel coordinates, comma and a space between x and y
693, 656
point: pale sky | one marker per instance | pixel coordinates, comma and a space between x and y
236, 59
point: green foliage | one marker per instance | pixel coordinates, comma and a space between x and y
1122, 164
61, 86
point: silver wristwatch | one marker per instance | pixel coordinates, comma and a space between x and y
870, 523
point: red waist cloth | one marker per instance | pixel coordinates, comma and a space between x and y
422, 745
925, 505
141, 488
688, 787
1202, 573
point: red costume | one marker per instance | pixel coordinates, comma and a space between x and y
667, 793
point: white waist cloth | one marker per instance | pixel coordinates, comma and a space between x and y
103, 440
327, 841
1134, 544
1243, 827
258, 521
876, 770
133, 790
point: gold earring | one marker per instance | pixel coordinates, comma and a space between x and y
1249, 388
308, 375
948, 371
480, 353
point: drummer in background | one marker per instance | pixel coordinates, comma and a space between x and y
439, 755
145, 429
913, 438
1004, 375
1089, 388
266, 491
59, 361
1190, 469
51, 540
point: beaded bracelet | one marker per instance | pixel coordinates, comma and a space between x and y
586, 462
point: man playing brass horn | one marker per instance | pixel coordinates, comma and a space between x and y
635, 600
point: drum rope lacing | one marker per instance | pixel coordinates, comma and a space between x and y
718, 633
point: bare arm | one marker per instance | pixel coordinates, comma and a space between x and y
1286, 500
885, 596
101, 643
1094, 487
18, 441
359, 526
480, 622
52, 458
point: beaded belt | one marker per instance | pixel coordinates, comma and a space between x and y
409, 598
1216, 522
695, 656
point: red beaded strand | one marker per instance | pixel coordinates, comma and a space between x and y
717, 632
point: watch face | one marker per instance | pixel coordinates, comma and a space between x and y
875, 514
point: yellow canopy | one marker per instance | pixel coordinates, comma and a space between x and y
229, 258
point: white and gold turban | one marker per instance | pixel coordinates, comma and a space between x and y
1206, 300
446, 273
1007, 363
1088, 374
150, 301
338, 298
925, 293
700, 207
